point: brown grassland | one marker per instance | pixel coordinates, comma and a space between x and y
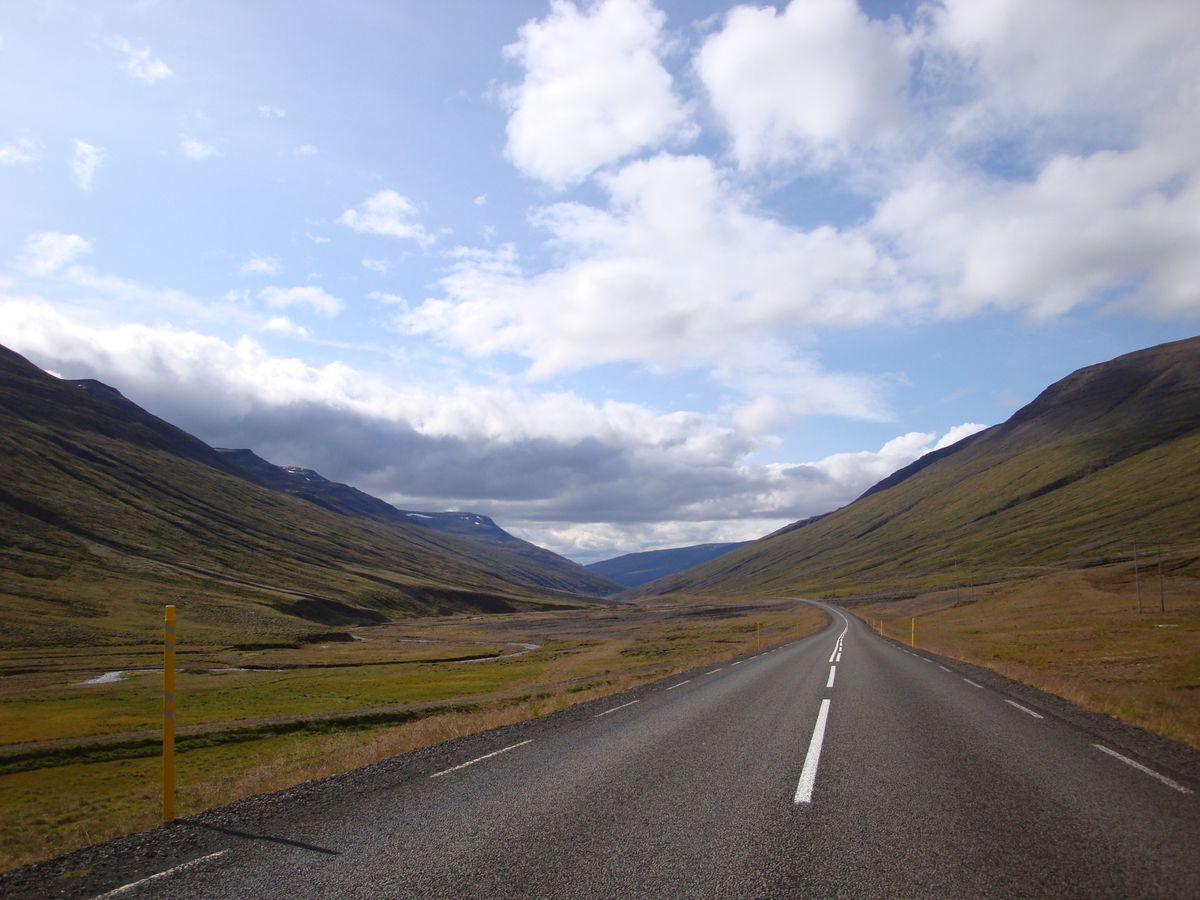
1074, 633
80, 762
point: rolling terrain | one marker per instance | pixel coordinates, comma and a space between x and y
107, 512
1106, 457
350, 501
633, 569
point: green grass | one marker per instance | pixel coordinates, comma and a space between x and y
384, 696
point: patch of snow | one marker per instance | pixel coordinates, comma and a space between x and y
419, 516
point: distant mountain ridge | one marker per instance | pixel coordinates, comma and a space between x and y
634, 569
1106, 456
346, 500
107, 511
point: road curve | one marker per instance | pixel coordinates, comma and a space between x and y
841, 764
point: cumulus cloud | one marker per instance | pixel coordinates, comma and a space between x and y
382, 266
18, 152
47, 252
268, 111
83, 164
563, 468
594, 90
140, 62
321, 301
284, 325
805, 82
260, 265
195, 149
681, 269
387, 213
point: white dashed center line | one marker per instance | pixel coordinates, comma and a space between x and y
681, 684
832, 672
973, 684
808, 775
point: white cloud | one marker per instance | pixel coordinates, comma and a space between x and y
18, 152
389, 214
284, 325
321, 302
594, 90
805, 82
382, 266
140, 63
195, 149
267, 111
47, 252
1086, 225
260, 265
481, 200
317, 238
83, 165
307, 150
579, 476
681, 270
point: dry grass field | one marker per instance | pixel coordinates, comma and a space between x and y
1077, 634
80, 762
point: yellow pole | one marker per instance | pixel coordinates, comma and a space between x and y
912, 642
758, 626
169, 714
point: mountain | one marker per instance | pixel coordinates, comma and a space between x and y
107, 512
350, 501
634, 569
1107, 456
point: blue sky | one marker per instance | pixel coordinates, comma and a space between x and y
622, 276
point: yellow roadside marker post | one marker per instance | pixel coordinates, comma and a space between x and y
912, 641
169, 714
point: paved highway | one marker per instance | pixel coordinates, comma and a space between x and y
839, 765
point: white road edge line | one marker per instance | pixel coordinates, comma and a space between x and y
832, 672
943, 668
116, 892
681, 684
480, 759
1137, 765
1024, 709
615, 708
973, 684
714, 671
808, 775
738, 663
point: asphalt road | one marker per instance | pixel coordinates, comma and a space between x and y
792, 773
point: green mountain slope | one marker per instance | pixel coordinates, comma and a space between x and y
350, 501
107, 512
1107, 456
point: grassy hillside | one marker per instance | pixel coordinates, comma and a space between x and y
560, 573
106, 513
1108, 456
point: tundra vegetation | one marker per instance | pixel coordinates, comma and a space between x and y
80, 762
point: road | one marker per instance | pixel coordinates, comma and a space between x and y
838, 765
